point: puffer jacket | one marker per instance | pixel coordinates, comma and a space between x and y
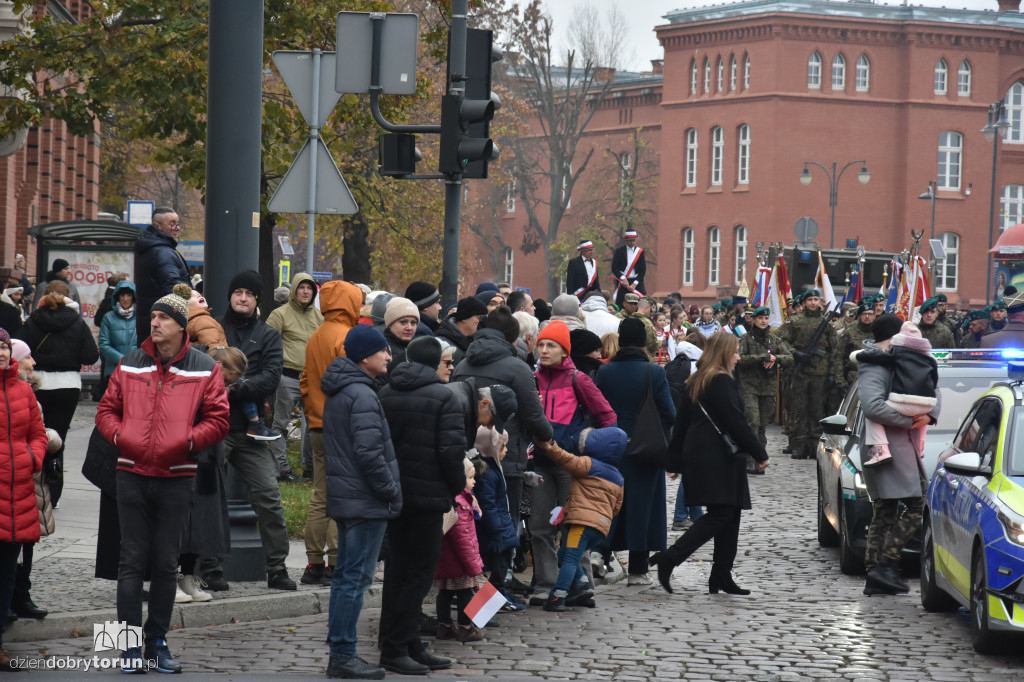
340, 303
160, 418
262, 347
460, 553
425, 419
158, 267
362, 472
117, 333
492, 360
23, 440
595, 494
296, 323
43, 503
202, 328
60, 340
494, 530
562, 402
451, 333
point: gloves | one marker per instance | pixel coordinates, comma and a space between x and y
801, 356
532, 479
830, 381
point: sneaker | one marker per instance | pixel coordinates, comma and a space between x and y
181, 596
259, 431
313, 574
470, 633
879, 455
597, 564
512, 604
615, 569
132, 662
681, 525
289, 477
445, 631
215, 582
555, 604
639, 580
517, 586
581, 590
328, 575
193, 585
378, 574
159, 652
354, 668
279, 580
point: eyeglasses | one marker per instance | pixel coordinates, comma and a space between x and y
449, 363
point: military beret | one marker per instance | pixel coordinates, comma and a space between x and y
811, 292
941, 298
977, 315
762, 311
930, 304
717, 307
997, 305
866, 306
726, 302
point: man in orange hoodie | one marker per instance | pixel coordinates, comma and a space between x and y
339, 303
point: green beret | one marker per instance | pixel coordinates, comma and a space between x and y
997, 305
977, 315
812, 292
931, 304
866, 306
941, 298
878, 297
726, 302
717, 307
763, 310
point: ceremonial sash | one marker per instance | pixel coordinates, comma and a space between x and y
593, 278
628, 270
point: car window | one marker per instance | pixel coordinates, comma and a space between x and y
1013, 456
958, 393
981, 433
852, 410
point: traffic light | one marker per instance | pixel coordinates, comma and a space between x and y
466, 146
397, 155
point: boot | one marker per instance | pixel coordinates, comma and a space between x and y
887, 575
23, 605
726, 584
665, 566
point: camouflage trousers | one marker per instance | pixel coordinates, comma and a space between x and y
806, 405
760, 409
890, 530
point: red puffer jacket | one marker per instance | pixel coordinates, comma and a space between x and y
460, 553
23, 444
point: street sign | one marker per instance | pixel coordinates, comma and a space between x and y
140, 213
296, 69
332, 194
286, 245
192, 252
806, 229
399, 34
937, 250
322, 275
284, 273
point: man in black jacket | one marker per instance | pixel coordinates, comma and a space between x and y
629, 264
581, 274
429, 436
251, 458
158, 265
458, 329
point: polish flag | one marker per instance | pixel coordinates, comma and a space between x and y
487, 602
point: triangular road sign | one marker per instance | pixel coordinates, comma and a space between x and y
296, 69
332, 194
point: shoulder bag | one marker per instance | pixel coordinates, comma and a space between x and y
730, 445
648, 443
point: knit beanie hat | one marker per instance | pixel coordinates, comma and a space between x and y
19, 350
422, 294
567, 305
5, 337
910, 337
486, 296
489, 441
557, 331
632, 332
175, 303
469, 307
885, 327
380, 306
281, 294
362, 342
486, 286
425, 350
399, 307
59, 264
584, 341
247, 279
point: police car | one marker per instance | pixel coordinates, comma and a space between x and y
973, 548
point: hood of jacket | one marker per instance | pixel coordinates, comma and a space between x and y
489, 345
341, 373
123, 285
594, 304
340, 302
54, 321
408, 376
298, 279
606, 445
151, 237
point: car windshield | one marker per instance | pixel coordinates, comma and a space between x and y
1013, 456
958, 394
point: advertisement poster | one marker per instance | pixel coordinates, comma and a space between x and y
89, 273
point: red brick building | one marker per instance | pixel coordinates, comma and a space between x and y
752, 91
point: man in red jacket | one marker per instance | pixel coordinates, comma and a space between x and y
165, 402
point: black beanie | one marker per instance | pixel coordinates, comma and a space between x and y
541, 310
422, 294
500, 319
584, 341
886, 326
633, 333
469, 307
247, 279
425, 350
59, 265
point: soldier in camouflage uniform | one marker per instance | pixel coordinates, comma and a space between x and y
997, 316
640, 308
815, 374
977, 327
877, 300
952, 319
852, 339
762, 354
937, 334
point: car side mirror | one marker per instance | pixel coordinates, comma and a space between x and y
963, 464
835, 425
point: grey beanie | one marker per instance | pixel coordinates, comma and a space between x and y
566, 305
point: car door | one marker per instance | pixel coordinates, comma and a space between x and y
833, 444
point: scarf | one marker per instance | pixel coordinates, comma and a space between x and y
126, 314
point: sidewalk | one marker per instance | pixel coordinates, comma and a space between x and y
63, 567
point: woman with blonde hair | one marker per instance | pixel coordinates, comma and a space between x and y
713, 476
609, 346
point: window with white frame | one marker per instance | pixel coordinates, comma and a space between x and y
814, 70
950, 151
743, 163
687, 256
707, 75
746, 72
941, 74
1014, 110
1011, 207
565, 188
509, 265
691, 157
946, 269
720, 74
839, 72
714, 254
963, 79
863, 75
510, 197
717, 149
693, 76
732, 73
625, 166
741, 253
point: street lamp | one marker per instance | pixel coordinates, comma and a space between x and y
833, 190
996, 127
930, 196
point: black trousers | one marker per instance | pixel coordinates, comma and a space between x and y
497, 564
721, 523
415, 541
58, 410
9, 552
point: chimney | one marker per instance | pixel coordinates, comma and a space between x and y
606, 73
657, 67
1009, 5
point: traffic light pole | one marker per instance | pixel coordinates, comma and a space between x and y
453, 181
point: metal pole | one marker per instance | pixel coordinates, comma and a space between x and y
932, 186
993, 114
314, 145
453, 184
833, 199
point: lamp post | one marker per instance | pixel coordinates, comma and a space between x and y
930, 196
996, 127
833, 188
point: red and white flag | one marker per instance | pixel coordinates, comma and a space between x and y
487, 602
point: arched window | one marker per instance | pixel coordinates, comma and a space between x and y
946, 269
688, 256
1014, 110
950, 150
691, 157
720, 75
717, 148
693, 76
941, 71
963, 79
741, 253
863, 73
707, 76
746, 72
1011, 207
814, 70
510, 196
839, 72
743, 163
732, 73
714, 254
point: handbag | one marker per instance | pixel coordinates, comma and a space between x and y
648, 443
730, 445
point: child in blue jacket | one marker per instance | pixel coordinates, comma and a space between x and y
495, 532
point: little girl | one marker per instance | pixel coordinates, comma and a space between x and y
233, 364
459, 567
914, 378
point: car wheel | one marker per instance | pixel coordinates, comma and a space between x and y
850, 563
827, 536
983, 640
933, 599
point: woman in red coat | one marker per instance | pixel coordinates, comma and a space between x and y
22, 446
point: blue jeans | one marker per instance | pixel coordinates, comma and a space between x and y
250, 410
683, 512
578, 542
359, 542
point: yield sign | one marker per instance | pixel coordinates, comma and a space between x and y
332, 194
296, 69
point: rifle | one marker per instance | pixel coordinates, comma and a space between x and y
811, 350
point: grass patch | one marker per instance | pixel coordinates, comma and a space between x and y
295, 496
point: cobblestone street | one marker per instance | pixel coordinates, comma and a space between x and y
804, 619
